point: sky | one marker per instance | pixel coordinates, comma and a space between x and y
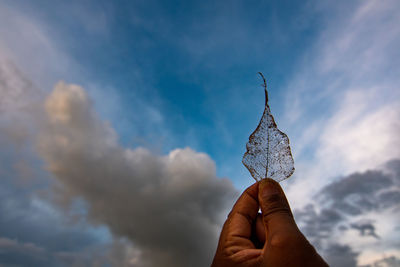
123, 125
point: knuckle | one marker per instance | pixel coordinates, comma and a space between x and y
272, 198
276, 212
275, 204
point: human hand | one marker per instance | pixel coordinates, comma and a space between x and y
268, 239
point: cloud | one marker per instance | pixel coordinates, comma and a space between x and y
22, 253
349, 76
33, 233
317, 225
349, 217
365, 227
28, 233
390, 261
170, 207
16, 253
360, 135
358, 192
18, 99
32, 45
13, 86
341, 256
6, 243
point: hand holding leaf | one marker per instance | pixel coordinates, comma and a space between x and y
268, 152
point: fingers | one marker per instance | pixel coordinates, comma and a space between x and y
244, 213
285, 245
260, 230
276, 213
247, 202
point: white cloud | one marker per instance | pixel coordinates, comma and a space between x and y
351, 76
171, 207
358, 137
343, 110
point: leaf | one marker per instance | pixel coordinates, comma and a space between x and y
268, 152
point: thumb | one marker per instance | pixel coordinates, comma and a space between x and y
276, 213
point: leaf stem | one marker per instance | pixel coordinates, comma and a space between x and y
265, 88
266, 106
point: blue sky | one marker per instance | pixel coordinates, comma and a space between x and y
177, 81
192, 66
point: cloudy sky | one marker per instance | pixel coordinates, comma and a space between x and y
123, 125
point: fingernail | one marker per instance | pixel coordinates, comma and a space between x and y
269, 187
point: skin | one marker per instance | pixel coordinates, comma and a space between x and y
272, 238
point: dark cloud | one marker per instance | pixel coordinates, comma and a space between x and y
170, 207
32, 232
365, 227
17, 253
13, 252
340, 256
317, 225
390, 261
340, 205
393, 167
387, 198
357, 193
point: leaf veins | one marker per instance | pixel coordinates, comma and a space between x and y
268, 152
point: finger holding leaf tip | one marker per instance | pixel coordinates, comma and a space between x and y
270, 237
271, 196
237, 230
248, 199
247, 205
269, 186
276, 213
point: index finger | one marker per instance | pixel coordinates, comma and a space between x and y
243, 213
